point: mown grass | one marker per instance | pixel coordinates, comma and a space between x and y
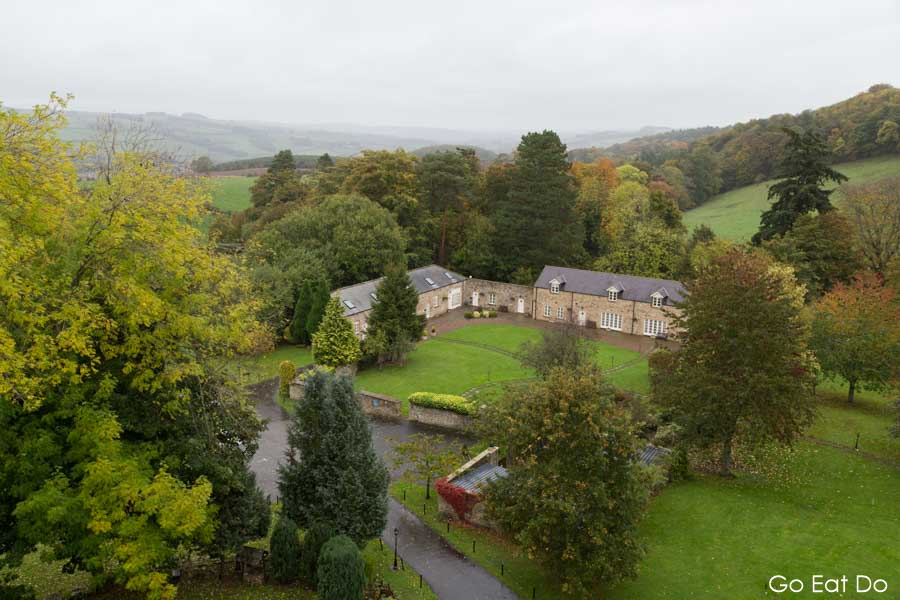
734, 215
231, 194
253, 369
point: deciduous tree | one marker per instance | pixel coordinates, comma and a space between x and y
856, 335
424, 457
874, 210
573, 496
743, 370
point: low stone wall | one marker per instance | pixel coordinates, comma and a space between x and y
441, 418
378, 405
505, 295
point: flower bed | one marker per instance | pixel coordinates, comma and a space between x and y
456, 404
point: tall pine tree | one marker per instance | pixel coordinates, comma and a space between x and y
332, 474
803, 172
335, 344
394, 325
536, 222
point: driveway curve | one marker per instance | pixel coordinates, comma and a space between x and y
450, 574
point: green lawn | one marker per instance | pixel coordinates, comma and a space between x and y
253, 369
442, 367
734, 215
870, 416
231, 194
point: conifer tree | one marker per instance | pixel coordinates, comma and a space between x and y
285, 550
335, 344
320, 296
537, 216
298, 331
803, 172
394, 324
332, 474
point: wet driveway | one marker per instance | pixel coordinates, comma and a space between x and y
451, 575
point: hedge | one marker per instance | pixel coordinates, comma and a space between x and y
457, 404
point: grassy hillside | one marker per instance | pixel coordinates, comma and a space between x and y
231, 194
735, 215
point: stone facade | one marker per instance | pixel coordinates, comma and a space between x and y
434, 303
378, 405
478, 514
494, 295
588, 310
441, 418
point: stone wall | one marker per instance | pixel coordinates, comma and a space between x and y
433, 303
441, 418
478, 514
378, 405
505, 295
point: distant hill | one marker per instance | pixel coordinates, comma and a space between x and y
648, 148
484, 155
734, 215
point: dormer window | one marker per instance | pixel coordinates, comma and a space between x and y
656, 301
554, 287
658, 297
612, 295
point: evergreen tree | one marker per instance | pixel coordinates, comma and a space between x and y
320, 295
283, 162
335, 344
332, 474
803, 172
393, 321
271, 185
316, 537
298, 331
324, 162
341, 570
284, 548
536, 222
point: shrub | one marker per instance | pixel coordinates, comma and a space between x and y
476, 314
492, 314
457, 404
341, 570
285, 550
468, 314
316, 537
679, 465
286, 370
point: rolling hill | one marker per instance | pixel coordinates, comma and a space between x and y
735, 215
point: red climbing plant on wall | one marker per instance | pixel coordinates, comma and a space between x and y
460, 499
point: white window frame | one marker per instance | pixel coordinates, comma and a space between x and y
612, 295
356, 328
656, 301
612, 321
554, 287
547, 312
560, 313
435, 301
655, 327
582, 317
451, 294
492, 299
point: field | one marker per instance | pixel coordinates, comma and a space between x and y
479, 357
231, 194
735, 215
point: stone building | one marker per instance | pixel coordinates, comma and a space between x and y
439, 289
625, 303
494, 295
635, 305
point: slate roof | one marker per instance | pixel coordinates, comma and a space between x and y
597, 283
360, 295
473, 479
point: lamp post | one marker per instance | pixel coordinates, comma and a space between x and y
396, 533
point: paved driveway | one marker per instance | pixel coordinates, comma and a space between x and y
451, 575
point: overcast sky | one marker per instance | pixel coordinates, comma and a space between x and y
487, 65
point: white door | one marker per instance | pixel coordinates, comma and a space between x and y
520, 306
455, 298
474, 298
582, 318
427, 311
